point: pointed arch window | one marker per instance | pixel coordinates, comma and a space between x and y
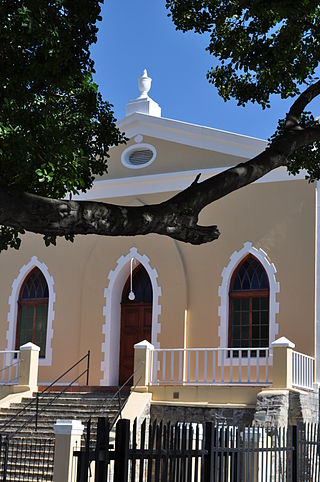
33, 311
249, 305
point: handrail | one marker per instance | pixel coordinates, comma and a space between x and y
9, 366
117, 395
38, 395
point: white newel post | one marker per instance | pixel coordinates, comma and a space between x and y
282, 363
142, 365
67, 439
28, 368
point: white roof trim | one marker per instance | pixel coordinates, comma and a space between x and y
192, 135
167, 182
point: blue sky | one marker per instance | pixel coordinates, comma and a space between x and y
137, 34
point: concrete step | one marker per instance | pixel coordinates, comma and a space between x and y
80, 406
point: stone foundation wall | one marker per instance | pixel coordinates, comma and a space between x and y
176, 413
277, 408
303, 407
286, 407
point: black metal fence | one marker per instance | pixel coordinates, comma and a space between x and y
187, 452
26, 459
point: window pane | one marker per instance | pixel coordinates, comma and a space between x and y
26, 325
250, 275
245, 318
264, 331
236, 304
264, 317
245, 304
255, 318
236, 332
236, 318
245, 332
41, 328
255, 332
255, 304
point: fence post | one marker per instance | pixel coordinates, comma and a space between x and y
28, 368
282, 363
208, 471
142, 365
295, 454
102, 450
122, 450
67, 437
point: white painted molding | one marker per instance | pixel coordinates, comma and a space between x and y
125, 156
112, 313
191, 135
274, 287
13, 311
167, 182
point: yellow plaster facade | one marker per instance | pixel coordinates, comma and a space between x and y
277, 216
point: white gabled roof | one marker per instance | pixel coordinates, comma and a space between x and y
191, 135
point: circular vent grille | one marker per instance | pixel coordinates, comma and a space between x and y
140, 157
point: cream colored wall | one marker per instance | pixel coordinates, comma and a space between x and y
80, 272
277, 217
171, 157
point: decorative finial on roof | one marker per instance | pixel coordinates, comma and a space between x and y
144, 84
144, 104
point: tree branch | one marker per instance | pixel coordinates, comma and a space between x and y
292, 118
176, 217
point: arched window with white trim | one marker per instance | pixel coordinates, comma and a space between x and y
249, 293
32, 317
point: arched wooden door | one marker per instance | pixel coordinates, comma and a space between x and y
136, 319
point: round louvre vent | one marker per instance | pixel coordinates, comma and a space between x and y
138, 156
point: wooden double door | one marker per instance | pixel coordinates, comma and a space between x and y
136, 321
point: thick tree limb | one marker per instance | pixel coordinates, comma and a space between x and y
292, 119
177, 217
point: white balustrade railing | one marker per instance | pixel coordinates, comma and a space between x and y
210, 366
302, 370
9, 367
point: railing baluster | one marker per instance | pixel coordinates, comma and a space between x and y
240, 365
163, 366
180, 366
172, 366
10, 370
257, 364
214, 366
302, 370
222, 365
197, 366
267, 366
205, 362
188, 367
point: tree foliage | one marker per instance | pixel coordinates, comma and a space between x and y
55, 128
261, 48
